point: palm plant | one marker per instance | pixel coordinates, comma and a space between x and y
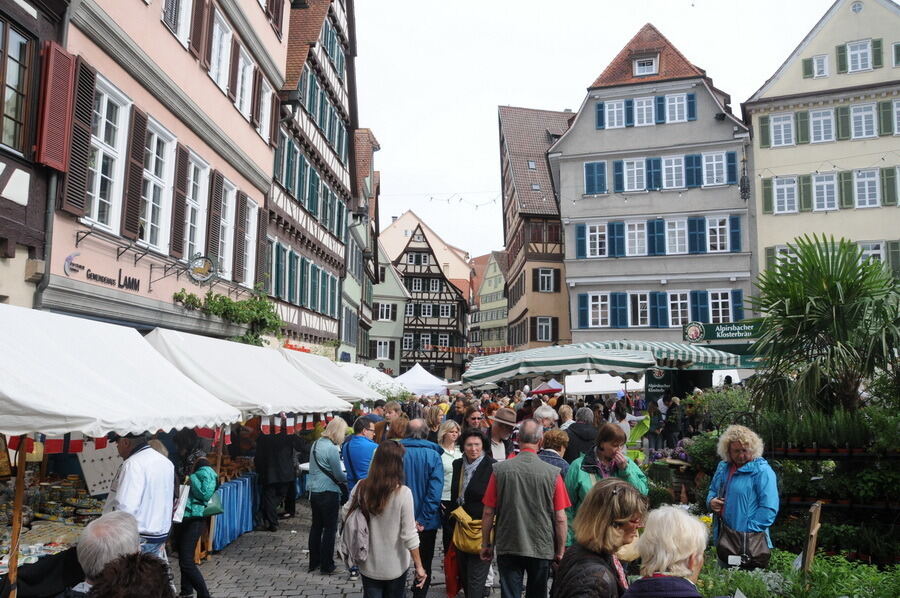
830, 319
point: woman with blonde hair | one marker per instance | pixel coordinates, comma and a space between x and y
433, 416
608, 519
324, 483
448, 434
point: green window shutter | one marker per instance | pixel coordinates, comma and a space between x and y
843, 122
896, 53
893, 257
889, 186
768, 200
801, 124
885, 118
845, 188
877, 53
764, 131
807, 68
842, 58
805, 182
770, 258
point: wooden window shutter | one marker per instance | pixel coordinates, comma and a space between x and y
889, 186
179, 202
391, 348
274, 119
842, 126
535, 280
841, 52
74, 194
198, 28
393, 312
376, 310
768, 196
770, 258
877, 53
55, 116
373, 349
233, 73
533, 328
845, 189
240, 232
804, 182
554, 329
207, 39
801, 125
807, 68
255, 104
764, 133
893, 257
262, 223
556, 280
134, 177
885, 118
214, 216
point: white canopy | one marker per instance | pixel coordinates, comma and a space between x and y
329, 376
576, 384
256, 380
718, 378
373, 378
551, 386
420, 382
63, 374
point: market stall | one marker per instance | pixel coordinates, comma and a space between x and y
420, 382
329, 376
374, 379
549, 387
598, 384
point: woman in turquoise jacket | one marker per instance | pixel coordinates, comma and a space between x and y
744, 490
203, 482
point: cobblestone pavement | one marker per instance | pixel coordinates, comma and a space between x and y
262, 564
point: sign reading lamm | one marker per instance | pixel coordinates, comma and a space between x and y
695, 332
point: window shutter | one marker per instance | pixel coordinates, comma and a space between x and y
393, 312
629, 113
654, 173
198, 28
801, 124
654, 310
55, 113
391, 348
240, 232
373, 349
532, 325
134, 177
764, 133
889, 186
278, 287
737, 305
304, 282
893, 257
845, 188
255, 103
74, 194
660, 110
697, 234
600, 177
214, 216
616, 241
804, 182
807, 68
770, 258
580, 241
262, 223
619, 309
554, 329
583, 321
206, 53
768, 196
652, 238
376, 311
292, 278
896, 53
877, 53
662, 309
618, 176
693, 170
590, 185
179, 202
600, 116
700, 306
731, 167
885, 118
692, 106
734, 229
842, 114
233, 72
841, 58
556, 280
274, 119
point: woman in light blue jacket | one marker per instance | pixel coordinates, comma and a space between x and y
325, 474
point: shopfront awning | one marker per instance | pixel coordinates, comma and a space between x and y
374, 379
329, 376
61, 375
597, 384
255, 380
676, 355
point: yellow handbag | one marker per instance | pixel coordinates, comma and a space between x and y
466, 532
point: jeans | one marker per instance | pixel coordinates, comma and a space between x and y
325, 507
427, 539
513, 568
378, 588
272, 495
159, 550
473, 574
191, 578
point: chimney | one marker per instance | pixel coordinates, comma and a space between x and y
393, 219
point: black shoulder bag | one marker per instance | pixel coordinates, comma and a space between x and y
345, 491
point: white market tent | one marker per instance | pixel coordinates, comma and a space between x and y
329, 376
577, 384
256, 380
551, 386
420, 382
373, 378
718, 378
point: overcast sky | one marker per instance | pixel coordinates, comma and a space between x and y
432, 73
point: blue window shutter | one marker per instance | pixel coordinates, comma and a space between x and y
619, 176
692, 235
651, 237
695, 306
279, 270
304, 281
590, 169
734, 228
616, 234
662, 309
654, 173
692, 106
648, 174
697, 234
600, 177
693, 170
629, 113
700, 306
580, 241
618, 309
660, 110
292, 277
660, 237
731, 167
582, 310
737, 305
654, 310
601, 116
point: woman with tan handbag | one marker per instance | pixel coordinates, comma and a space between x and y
471, 474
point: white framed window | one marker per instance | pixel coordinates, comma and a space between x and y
866, 184
384, 312
872, 250
382, 349
821, 125
155, 189
424, 340
106, 166
535, 186
859, 56
220, 51
785, 191
598, 304
244, 93
435, 285
545, 280
636, 238
820, 66
532, 165
410, 309
615, 114
544, 329
425, 310
250, 217
645, 66
634, 175
679, 309
782, 126
410, 258
444, 340
195, 211
676, 236
676, 108
417, 285
719, 307
226, 228
717, 234
177, 16
425, 257
824, 192
444, 310
407, 342
862, 121
644, 112
714, 169
265, 110
673, 172
639, 309
596, 240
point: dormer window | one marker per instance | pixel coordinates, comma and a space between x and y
645, 66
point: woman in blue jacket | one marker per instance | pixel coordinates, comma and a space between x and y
325, 473
744, 491
203, 482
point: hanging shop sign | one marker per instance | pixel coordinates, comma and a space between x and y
202, 269
695, 332
118, 281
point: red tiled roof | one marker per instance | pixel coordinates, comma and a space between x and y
528, 134
479, 265
304, 29
463, 285
648, 41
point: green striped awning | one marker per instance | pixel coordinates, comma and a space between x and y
678, 355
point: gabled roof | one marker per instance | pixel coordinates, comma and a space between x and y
647, 42
395, 242
502, 259
304, 29
390, 272
479, 266
528, 134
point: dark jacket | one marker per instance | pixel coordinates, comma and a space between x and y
475, 490
554, 459
662, 587
585, 574
274, 460
582, 438
425, 477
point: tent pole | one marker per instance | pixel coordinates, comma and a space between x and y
219, 450
21, 453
